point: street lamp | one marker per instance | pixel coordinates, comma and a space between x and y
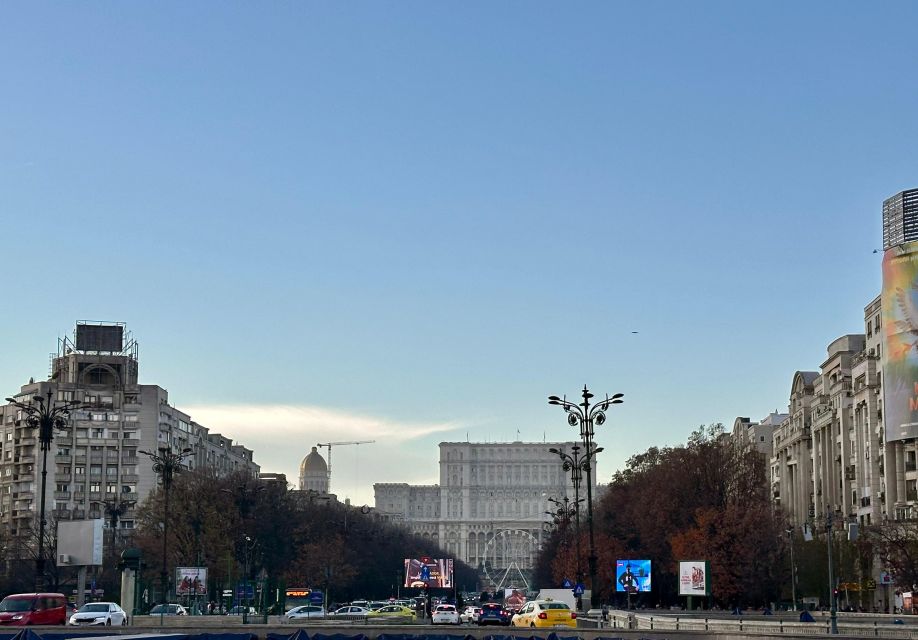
575, 463
585, 416
44, 414
562, 512
166, 463
793, 567
833, 604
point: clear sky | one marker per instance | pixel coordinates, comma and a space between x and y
413, 221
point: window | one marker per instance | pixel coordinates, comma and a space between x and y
113, 417
65, 396
62, 486
98, 433
111, 487
127, 524
128, 488
79, 470
111, 471
95, 470
130, 418
95, 487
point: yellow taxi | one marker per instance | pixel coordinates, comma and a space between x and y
392, 611
544, 613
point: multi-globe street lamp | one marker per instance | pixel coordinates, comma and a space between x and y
833, 601
46, 415
166, 463
562, 512
585, 416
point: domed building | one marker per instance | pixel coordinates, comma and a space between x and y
314, 473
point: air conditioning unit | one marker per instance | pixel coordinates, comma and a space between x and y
63, 559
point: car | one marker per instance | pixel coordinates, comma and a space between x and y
545, 613
240, 609
349, 612
23, 609
168, 610
306, 611
377, 604
361, 603
470, 614
493, 613
444, 614
99, 613
392, 611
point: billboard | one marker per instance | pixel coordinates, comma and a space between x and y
191, 581
632, 576
96, 337
427, 572
900, 345
694, 578
514, 598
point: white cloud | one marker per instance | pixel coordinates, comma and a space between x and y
282, 435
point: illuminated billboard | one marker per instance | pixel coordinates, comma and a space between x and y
632, 576
694, 578
427, 572
900, 341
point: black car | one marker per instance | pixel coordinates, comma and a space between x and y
492, 613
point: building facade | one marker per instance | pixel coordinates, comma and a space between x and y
900, 219
490, 504
95, 462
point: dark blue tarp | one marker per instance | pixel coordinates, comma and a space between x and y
422, 636
299, 634
338, 636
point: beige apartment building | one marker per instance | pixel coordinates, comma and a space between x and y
95, 462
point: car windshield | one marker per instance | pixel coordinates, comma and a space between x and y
16, 604
94, 608
555, 605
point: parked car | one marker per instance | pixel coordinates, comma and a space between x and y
444, 614
99, 613
470, 614
168, 610
545, 613
33, 608
493, 613
305, 612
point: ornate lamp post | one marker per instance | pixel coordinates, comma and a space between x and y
833, 603
575, 463
585, 416
562, 512
44, 414
166, 463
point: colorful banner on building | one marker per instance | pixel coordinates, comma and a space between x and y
694, 578
191, 581
430, 573
632, 576
900, 341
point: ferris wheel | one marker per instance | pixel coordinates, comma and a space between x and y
507, 555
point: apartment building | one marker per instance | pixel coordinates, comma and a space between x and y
95, 463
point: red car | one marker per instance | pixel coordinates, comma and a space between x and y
33, 608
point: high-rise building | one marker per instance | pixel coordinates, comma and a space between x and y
900, 218
95, 464
490, 504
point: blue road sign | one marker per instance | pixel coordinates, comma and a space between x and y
317, 597
567, 584
578, 590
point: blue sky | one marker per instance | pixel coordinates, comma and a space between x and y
412, 222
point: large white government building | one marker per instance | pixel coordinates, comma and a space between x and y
490, 504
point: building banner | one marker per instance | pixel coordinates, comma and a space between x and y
900, 341
694, 578
632, 576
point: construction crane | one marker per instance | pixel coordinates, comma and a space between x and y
329, 445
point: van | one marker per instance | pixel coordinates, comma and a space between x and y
33, 608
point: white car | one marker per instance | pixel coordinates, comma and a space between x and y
349, 612
470, 614
108, 614
444, 614
306, 611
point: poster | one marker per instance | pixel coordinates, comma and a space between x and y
430, 573
694, 578
191, 581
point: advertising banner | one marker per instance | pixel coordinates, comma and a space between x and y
694, 578
191, 581
632, 576
900, 341
514, 599
427, 572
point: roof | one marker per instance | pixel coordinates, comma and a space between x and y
314, 462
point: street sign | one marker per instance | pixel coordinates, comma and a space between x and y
567, 584
578, 590
317, 597
227, 593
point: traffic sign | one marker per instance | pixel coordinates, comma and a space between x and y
567, 584
317, 597
578, 590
